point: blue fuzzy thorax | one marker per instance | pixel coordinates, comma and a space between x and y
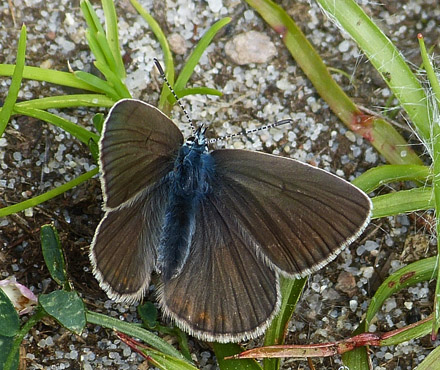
189, 183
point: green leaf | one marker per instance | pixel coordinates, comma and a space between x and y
6, 344
77, 131
381, 175
98, 121
385, 57
148, 313
432, 361
197, 53
291, 290
97, 83
10, 323
223, 350
48, 195
403, 201
53, 254
133, 330
48, 75
11, 98
111, 22
166, 362
416, 272
65, 307
168, 58
68, 101
194, 91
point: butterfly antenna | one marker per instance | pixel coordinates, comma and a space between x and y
162, 74
265, 127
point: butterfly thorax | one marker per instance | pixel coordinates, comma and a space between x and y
189, 184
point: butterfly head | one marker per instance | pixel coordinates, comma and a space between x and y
198, 141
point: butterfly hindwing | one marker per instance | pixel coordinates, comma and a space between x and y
224, 292
300, 216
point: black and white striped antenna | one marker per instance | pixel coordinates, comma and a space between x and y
220, 138
162, 74
265, 127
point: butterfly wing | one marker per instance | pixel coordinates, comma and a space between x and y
137, 149
123, 251
224, 292
300, 216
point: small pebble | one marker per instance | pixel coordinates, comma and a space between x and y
250, 47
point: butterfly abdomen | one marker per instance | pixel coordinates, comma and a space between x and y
189, 183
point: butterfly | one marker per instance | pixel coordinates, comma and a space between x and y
219, 226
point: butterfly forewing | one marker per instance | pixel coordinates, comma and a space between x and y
299, 216
224, 292
137, 149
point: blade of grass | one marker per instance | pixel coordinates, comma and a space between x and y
223, 350
48, 195
77, 131
194, 91
385, 139
90, 16
49, 75
134, 331
435, 155
381, 175
422, 270
111, 24
98, 83
11, 98
384, 56
291, 290
68, 101
167, 56
403, 201
197, 53
115, 81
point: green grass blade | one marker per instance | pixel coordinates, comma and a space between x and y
114, 80
434, 102
48, 195
53, 254
223, 350
108, 54
49, 75
385, 58
167, 56
291, 290
111, 23
134, 331
95, 47
99, 84
381, 175
194, 91
416, 272
381, 134
195, 56
11, 98
431, 361
90, 16
68, 101
403, 201
77, 131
